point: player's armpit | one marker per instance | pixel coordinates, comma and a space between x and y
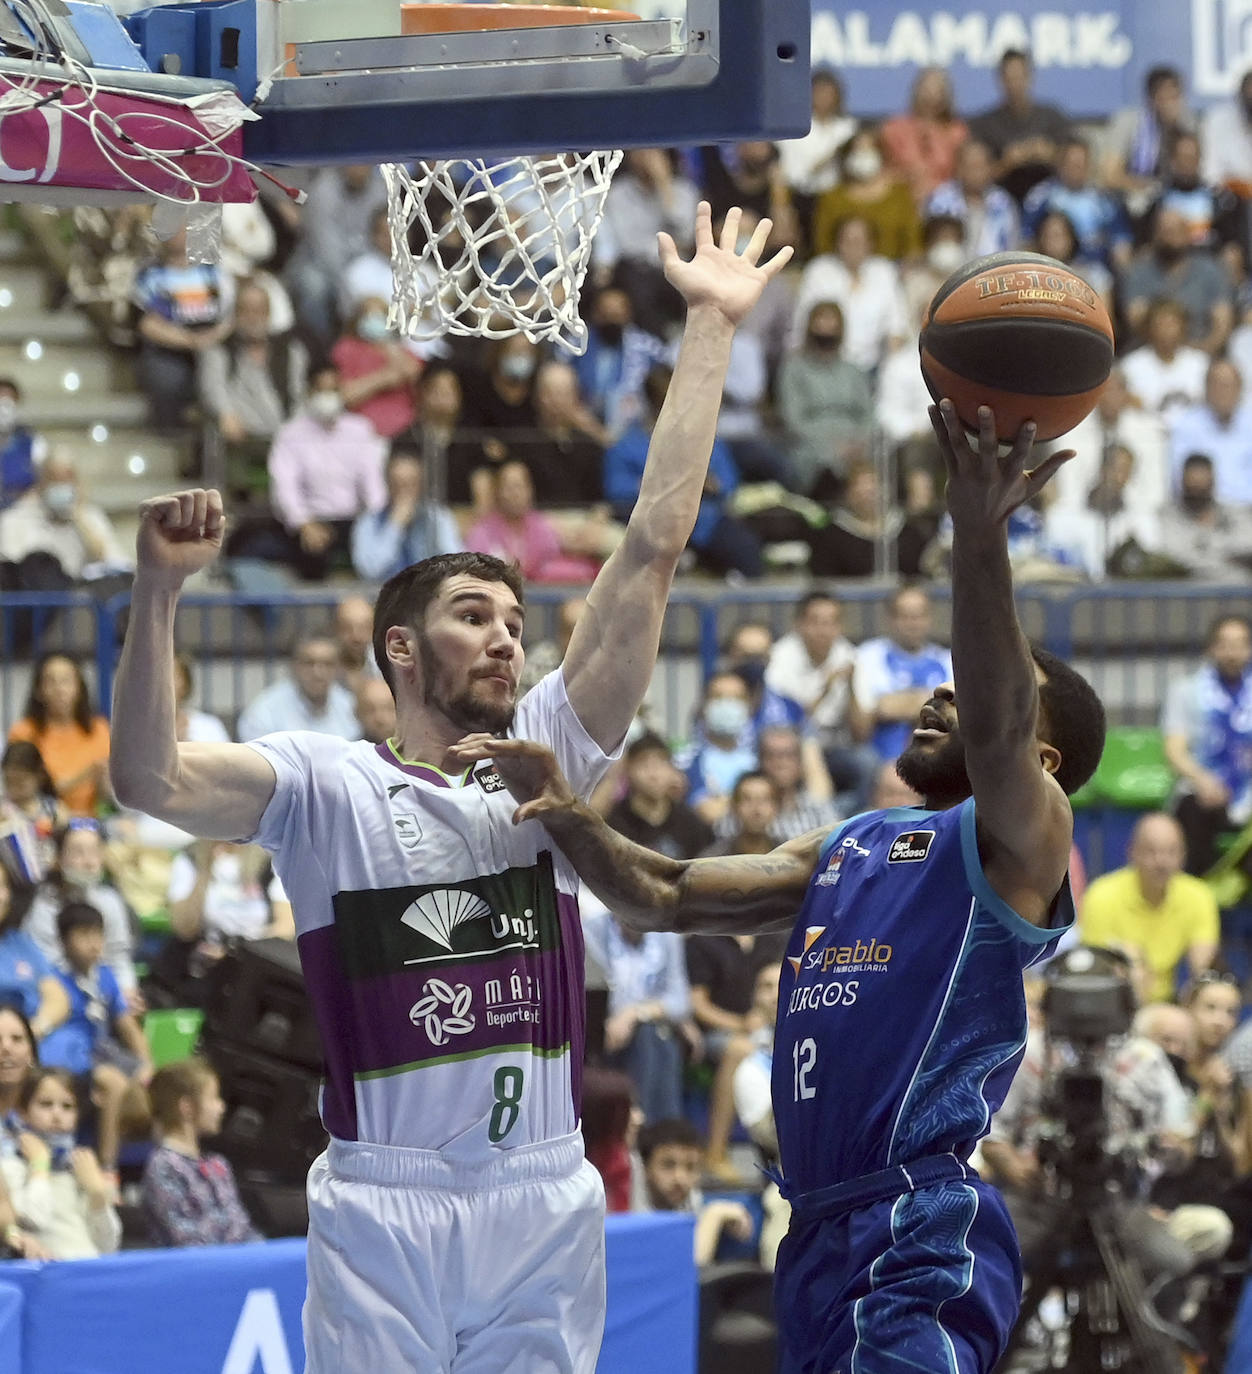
219, 792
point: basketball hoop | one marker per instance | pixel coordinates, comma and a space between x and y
493, 247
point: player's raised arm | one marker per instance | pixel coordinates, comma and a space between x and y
218, 791
1025, 825
736, 895
613, 650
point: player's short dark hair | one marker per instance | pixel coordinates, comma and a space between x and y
675, 1130
1073, 717
1159, 76
647, 743
402, 599
78, 916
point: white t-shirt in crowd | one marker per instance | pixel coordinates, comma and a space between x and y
235, 907
1164, 387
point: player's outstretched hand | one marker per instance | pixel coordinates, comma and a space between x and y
179, 534
530, 772
718, 275
984, 486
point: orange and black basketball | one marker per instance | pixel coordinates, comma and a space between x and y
1023, 334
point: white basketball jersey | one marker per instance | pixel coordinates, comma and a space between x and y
441, 944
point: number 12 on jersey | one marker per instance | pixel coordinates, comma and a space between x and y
804, 1059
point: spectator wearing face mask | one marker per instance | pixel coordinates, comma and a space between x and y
52, 537
719, 755
943, 251
1226, 137
21, 450
326, 467
377, 373
503, 400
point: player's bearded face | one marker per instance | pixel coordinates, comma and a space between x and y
474, 705
936, 768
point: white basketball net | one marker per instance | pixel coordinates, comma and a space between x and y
494, 248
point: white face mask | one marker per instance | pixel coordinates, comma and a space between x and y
8, 414
325, 406
864, 164
227, 869
59, 498
945, 256
726, 716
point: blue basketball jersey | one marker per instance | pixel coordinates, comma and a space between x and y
901, 1017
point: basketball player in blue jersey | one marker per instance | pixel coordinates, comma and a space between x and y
454, 1226
901, 1015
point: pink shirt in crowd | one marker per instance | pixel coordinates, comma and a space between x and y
320, 473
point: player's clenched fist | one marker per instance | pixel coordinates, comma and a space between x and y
179, 534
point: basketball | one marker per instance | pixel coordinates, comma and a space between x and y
1023, 334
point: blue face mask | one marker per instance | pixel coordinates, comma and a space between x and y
726, 716
373, 328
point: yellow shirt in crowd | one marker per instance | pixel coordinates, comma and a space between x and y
1115, 912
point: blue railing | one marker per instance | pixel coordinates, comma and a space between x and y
1130, 637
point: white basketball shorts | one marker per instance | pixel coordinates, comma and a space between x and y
418, 1265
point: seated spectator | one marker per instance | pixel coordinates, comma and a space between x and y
565, 453
921, 146
825, 403
53, 538
369, 274
334, 230
720, 752
101, 1041
649, 814
1057, 238
72, 740
1116, 420
21, 449
407, 527
502, 399
1213, 213
377, 372
190, 1197
1164, 374
988, 212
722, 543
1153, 906
648, 195
1139, 141
672, 1152
749, 826
1168, 269
375, 710
755, 1108
810, 165
1207, 724
1107, 535
767, 326
250, 384
722, 971
866, 288
896, 674
250, 247
747, 175
943, 251
610, 1127
353, 625
27, 980
453, 457
193, 726
311, 698
618, 358
1099, 222
1022, 135
814, 661
868, 191
219, 894
62, 1194
517, 532
1224, 1139
859, 525
1227, 141
31, 813
325, 467
18, 1056
548, 654
901, 411
1210, 539
79, 875
1220, 426
185, 308
781, 760
649, 1007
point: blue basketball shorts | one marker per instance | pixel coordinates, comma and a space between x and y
929, 1280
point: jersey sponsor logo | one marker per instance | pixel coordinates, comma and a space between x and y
870, 955
815, 996
811, 936
390, 929
911, 847
849, 845
443, 1010
512, 1000
489, 780
408, 832
396, 788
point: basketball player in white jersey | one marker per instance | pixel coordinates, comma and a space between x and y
453, 1223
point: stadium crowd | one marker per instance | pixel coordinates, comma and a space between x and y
349, 453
